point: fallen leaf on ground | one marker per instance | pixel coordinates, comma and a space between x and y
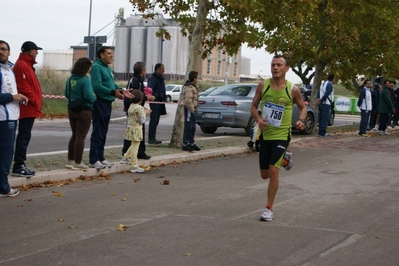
123, 199
122, 227
165, 182
72, 227
57, 194
61, 219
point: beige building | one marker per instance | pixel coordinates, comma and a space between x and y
219, 66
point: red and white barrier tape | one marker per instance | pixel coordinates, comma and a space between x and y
117, 100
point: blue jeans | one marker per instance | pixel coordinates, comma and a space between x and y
364, 119
324, 117
189, 127
101, 116
7, 139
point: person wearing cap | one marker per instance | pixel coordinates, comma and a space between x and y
106, 90
28, 85
10, 101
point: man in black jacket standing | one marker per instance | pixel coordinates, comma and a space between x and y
157, 83
136, 83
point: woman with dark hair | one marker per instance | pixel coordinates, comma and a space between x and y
81, 98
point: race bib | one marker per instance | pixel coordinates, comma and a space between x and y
273, 113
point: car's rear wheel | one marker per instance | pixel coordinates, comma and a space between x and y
168, 98
309, 125
251, 124
208, 130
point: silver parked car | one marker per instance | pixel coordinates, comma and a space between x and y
208, 91
173, 92
229, 106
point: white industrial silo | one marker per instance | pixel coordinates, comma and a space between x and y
121, 57
182, 55
153, 49
134, 20
170, 50
138, 40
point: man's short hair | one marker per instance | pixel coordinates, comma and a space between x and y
281, 56
330, 77
138, 67
101, 50
8, 46
192, 75
158, 66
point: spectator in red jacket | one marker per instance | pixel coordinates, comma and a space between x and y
28, 85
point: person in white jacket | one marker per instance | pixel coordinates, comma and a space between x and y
365, 105
10, 100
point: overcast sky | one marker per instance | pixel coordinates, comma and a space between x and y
57, 25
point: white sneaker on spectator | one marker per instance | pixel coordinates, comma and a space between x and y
69, 164
136, 169
106, 163
383, 132
125, 160
97, 165
79, 166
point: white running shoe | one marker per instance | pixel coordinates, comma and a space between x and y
287, 160
136, 169
69, 164
106, 163
125, 160
267, 215
97, 165
13, 193
383, 133
79, 166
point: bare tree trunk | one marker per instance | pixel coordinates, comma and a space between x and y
195, 44
316, 85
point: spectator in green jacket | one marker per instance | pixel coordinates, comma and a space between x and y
106, 90
78, 90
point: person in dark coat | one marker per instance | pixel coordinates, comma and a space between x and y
157, 83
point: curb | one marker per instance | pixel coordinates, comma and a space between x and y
63, 174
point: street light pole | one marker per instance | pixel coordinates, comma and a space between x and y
90, 18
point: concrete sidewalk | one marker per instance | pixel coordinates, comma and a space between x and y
62, 174
226, 146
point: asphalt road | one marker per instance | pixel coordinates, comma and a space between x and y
337, 206
53, 135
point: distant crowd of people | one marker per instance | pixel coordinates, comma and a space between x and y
379, 106
90, 99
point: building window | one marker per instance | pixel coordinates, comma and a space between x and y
235, 69
208, 67
219, 66
219, 54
